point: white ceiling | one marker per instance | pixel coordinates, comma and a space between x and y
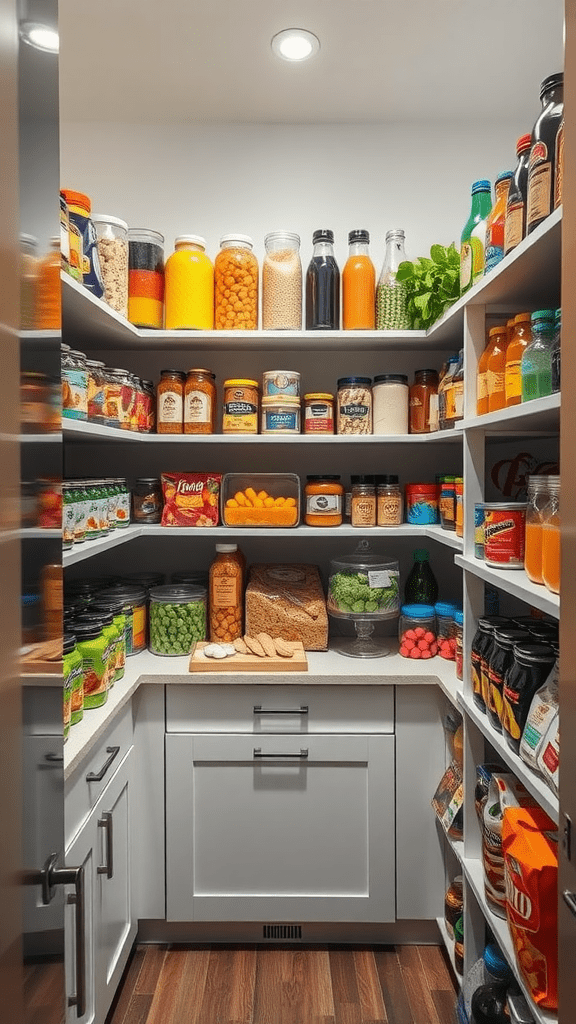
380, 60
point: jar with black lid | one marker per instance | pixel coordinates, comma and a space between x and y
501, 658
147, 500
480, 646
530, 669
146, 278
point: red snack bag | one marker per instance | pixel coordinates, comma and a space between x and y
191, 499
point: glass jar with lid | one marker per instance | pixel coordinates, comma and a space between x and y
29, 267
363, 587
146, 278
323, 496
551, 537
115, 382
390, 404
200, 402
282, 282
363, 506
95, 386
236, 285
177, 619
74, 385
391, 295
423, 402
538, 498
354, 405
189, 286
417, 631
536, 362
149, 405
147, 500
390, 504
112, 245
170, 402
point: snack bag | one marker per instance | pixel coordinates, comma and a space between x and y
543, 710
504, 790
529, 844
549, 754
190, 499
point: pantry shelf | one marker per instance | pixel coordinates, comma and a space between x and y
541, 414
50, 438
37, 533
534, 784
448, 945
515, 582
474, 874
90, 548
81, 430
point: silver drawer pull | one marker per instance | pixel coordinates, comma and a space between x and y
98, 776
570, 900
107, 822
259, 710
259, 754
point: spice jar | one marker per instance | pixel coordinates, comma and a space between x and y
146, 278
390, 404
423, 402
170, 402
200, 402
147, 500
49, 311
79, 210
282, 283
323, 496
189, 286
363, 507
240, 412
417, 631
318, 413
112, 244
74, 385
28, 281
389, 501
226, 605
354, 405
236, 285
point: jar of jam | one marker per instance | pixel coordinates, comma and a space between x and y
363, 508
170, 402
147, 500
200, 402
324, 497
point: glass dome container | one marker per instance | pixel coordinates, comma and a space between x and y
363, 588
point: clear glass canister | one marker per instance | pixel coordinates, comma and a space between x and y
538, 498
74, 385
177, 619
363, 507
389, 501
112, 244
146, 278
390, 404
354, 405
236, 285
189, 294
417, 631
282, 282
363, 587
446, 633
423, 402
391, 295
147, 500
28, 281
551, 537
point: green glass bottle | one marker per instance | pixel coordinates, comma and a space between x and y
421, 586
472, 242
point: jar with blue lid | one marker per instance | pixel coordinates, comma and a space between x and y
445, 629
280, 415
417, 631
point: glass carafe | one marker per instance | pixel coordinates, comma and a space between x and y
391, 295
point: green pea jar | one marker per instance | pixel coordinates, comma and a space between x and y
93, 647
177, 619
73, 681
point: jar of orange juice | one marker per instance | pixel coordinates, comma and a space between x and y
538, 498
189, 286
551, 537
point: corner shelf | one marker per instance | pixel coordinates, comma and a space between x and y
540, 415
515, 582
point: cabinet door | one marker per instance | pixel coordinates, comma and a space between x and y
280, 827
79, 955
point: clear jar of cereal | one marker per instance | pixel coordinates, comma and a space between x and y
282, 283
236, 285
112, 245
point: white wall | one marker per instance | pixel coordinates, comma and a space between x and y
253, 179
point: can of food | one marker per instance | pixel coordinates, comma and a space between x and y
281, 382
504, 526
240, 414
319, 413
479, 530
280, 415
422, 504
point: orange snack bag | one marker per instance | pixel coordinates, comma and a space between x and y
529, 843
190, 499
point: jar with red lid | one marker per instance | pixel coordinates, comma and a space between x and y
422, 504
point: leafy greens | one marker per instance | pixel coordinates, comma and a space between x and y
433, 285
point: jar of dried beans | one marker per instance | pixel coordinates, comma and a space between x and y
354, 405
112, 244
236, 285
282, 283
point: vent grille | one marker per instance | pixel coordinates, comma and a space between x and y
282, 931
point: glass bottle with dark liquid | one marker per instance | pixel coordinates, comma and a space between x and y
323, 285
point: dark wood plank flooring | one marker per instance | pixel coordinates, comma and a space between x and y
286, 985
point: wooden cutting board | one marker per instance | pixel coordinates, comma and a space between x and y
249, 662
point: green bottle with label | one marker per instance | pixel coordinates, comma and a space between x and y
472, 241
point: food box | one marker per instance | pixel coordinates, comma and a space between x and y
260, 499
287, 601
190, 499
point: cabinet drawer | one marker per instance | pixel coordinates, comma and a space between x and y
85, 787
280, 709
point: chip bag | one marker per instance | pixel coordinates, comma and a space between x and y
529, 844
190, 499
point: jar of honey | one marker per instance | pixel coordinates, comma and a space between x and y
170, 402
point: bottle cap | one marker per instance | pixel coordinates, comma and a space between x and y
322, 235
552, 82
358, 236
190, 240
504, 176
482, 185
523, 143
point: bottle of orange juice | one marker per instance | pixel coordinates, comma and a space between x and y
551, 537
497, 337
358, 285
538, 498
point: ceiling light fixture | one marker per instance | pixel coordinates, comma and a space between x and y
41, 37
295, 44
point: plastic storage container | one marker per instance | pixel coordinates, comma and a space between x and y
282, 282
260, 499
146, 278
417, 631
112, 245
189, 286
236, 285
363, 587
177, 619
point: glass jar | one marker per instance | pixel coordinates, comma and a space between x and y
556, 352
519, 341
389, 502
529, 670
73, 681
226, 594
240, 409
281, 384
445, 631
459, 636
147, 500
81, 503
200, 402
146, 278
417, 631
323, 496
481, 645
318, 413
280, 415
112, 245
177, 619
170, 402
447, 503
390, 404
323, 285
537, 501
358, 285
74, 385
79, 212
423, 402
113, 380
116, 643
149, 405
391, 295
189, 286
363, 588
236, 285
49, 314
536, 362
127, 400
29, 267
95, 390
354, 405
499, 662
363, 509
551, 537
282, 283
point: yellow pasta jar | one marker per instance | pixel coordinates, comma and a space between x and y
189, 286
240, 412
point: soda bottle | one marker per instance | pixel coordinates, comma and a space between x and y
421, 586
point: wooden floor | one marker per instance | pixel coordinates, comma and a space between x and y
286, 985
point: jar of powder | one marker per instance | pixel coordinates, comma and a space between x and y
390, 404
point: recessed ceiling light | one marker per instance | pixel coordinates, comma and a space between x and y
295, 44
42, 37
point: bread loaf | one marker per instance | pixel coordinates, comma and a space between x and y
287, 601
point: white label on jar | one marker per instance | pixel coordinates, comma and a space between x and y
381, 577
324, 504
170, 407
197, 407
433, 412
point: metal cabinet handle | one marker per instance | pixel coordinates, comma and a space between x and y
54, 758
98, 776
259, 754
106, 822
259, 710
48, 878
570, 900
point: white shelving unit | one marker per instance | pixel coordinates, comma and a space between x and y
448, 942
515, 582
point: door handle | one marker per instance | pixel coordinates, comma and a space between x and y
570, 900
106, 822
259, 710
48, 878
98, 776
259, 754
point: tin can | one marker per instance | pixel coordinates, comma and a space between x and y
285, 383
479, 530
240, 414
422, 504
280, 415
504, 526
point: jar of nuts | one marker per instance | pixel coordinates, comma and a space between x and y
282, 283
226, 594
112, 245
354, 405
236, 285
